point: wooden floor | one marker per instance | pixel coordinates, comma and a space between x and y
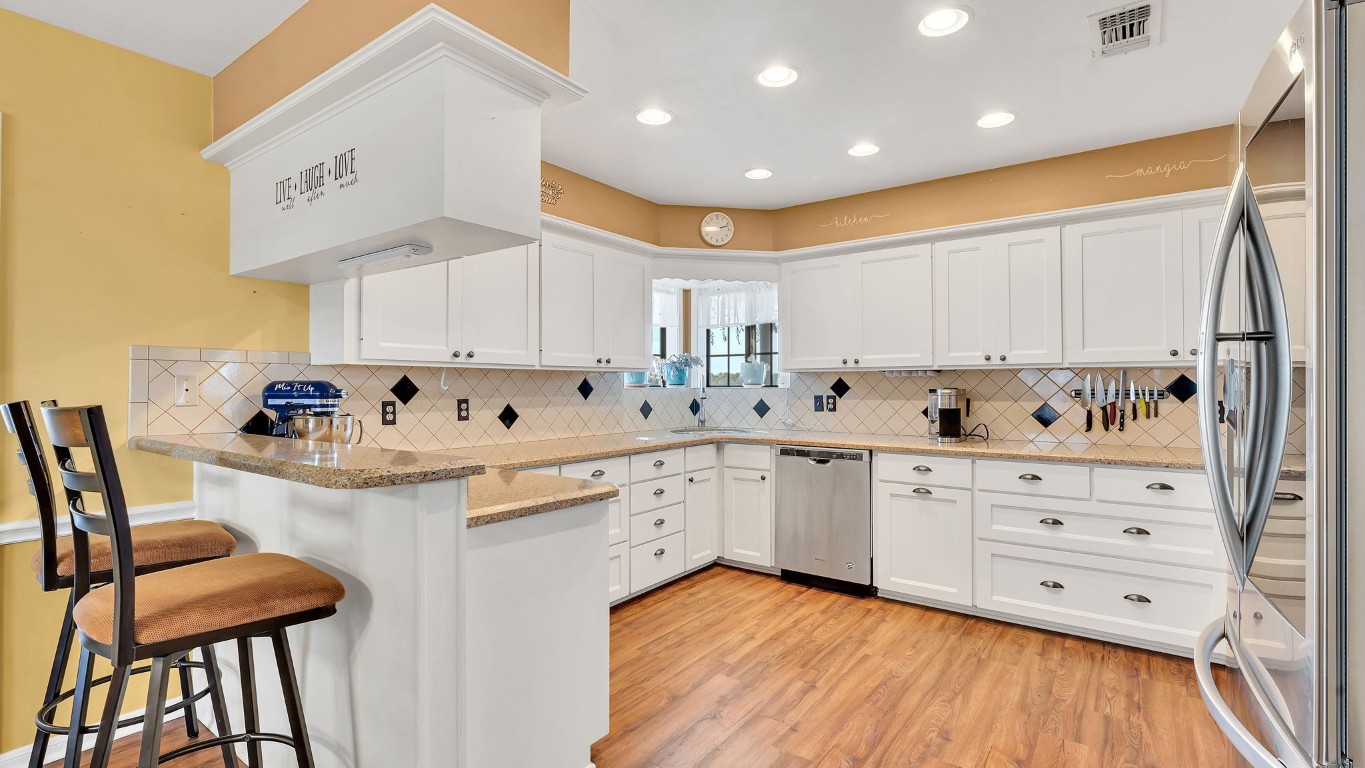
125, 750
731, 668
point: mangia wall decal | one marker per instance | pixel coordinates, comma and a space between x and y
1164, 169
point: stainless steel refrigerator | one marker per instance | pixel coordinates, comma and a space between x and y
1293, 693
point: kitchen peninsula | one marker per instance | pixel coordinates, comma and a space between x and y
474, 623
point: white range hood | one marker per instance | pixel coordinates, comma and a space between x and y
428, 136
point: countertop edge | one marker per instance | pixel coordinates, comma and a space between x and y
515, 510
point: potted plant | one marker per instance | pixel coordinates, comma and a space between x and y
676, 368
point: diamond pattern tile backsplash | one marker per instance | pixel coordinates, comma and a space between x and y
514, 406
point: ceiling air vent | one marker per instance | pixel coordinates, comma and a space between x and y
1126, 28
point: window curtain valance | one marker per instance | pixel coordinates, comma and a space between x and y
726, 304
667, 306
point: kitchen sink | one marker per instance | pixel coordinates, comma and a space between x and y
713, 431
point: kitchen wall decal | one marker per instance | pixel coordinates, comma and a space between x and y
312, 183
853, 220
550, 191
1164, 169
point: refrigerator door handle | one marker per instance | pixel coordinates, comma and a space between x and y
1220, 485
1236, 732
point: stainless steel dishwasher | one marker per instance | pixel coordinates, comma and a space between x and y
824, 517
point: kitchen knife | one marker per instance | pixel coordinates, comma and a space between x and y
1132, 395
1112, 400
1123, 390
1104, 404
1086, 400
1146, 403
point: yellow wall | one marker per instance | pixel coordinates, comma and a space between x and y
113, 231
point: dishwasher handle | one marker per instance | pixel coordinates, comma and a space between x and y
819, 462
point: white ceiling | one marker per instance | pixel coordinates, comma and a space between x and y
867, 75
200, 35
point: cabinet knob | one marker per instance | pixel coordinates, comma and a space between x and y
1051, 584
659, 552
469, 354
1030, 477
1175, 353
691, 479
658, 491
1136, 598
599, 361
455, 354
659, 462
988, 358
1051, 521
1136, 531
1160, 487
921, 468
855, 361
609, 361
598, 472
764, 478
923, 491
658, 523
845, 361
1194, 352
1002, 358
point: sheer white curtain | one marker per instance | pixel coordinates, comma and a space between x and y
667, 306
721, 305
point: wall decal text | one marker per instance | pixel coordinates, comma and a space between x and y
852, 220
311, 183
550, 191
1164, 169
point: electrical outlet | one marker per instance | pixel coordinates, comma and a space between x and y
831, 403
186, 390
388, 412
462, 409
819, 403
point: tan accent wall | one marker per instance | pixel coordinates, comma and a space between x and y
598, 205
320, 34
680, 227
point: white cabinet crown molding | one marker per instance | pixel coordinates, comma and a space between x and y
430, 34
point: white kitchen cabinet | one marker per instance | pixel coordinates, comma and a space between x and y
997, 300
702, 502
891, 308
1287, 226
1124, 289
814, 316
923, 541
595, 306
618, 571
748, 507
405, 314
618, 520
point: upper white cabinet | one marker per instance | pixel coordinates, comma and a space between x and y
1286, 224
595, 310
813, 315
1124, 286
480, 310
997, 300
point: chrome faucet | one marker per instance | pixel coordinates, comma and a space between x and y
701, 406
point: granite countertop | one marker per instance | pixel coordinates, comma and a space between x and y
327, 465
507, 495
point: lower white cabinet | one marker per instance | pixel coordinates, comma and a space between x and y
656, 561
618, 517
923, 541
702, 502
749, 516
618, 571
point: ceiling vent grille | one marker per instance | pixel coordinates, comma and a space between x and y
1125, 29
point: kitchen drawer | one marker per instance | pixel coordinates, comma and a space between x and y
655, 494
1178, 537
655, 562
1099, 594
698, 457
1034, 478
656, 524
615, 471
656, 464
748, 456
1153, 486
1290, 503
938, 471
618, 571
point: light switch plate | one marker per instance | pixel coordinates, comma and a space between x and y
819, 403
388, 412
186, 390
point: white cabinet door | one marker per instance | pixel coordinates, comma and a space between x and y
500, 306
404, 314
1028, 307
702, 528
891, 307
748, 516
1201, 233
1287, 226
1123, 290
814, 315
568, 300
622, 292
618, 571
923, 541
964, 294
618, 521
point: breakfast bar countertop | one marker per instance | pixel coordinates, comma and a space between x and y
507, 495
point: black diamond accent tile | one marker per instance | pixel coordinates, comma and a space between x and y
695, 407
1046, 415
585, 388
258, 424
761, 408
646, 409
1183, 388
404, 390
840, 388
509, 416
924, 411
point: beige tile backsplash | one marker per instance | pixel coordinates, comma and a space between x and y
549, 404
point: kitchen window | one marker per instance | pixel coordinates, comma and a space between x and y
728, 347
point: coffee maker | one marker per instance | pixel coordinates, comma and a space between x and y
949, 407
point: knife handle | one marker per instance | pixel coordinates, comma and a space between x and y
1135, 416
1104, 417
1123, 413
1089, 419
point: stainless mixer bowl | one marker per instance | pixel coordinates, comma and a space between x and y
336, 428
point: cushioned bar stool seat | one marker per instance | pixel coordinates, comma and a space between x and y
173, 543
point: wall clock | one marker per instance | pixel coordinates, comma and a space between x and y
717, 229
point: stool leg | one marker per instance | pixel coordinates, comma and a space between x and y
38, 756
220, 713
246, 665
187, 688
113, 707
84, 674
293, 704
159, 679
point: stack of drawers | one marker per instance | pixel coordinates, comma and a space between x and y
656, 518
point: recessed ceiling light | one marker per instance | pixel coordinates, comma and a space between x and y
757, 173
864, 149
945, 21
777, 76
653, 116
995, 119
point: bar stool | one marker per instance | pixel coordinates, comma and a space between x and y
162, 616
155, 547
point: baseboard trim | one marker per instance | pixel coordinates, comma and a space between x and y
22, 531
56, 746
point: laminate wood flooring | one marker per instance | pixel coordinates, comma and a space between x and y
732, 668
126, 749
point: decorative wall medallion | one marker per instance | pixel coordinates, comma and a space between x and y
853, 220
1164, 169
550, 191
